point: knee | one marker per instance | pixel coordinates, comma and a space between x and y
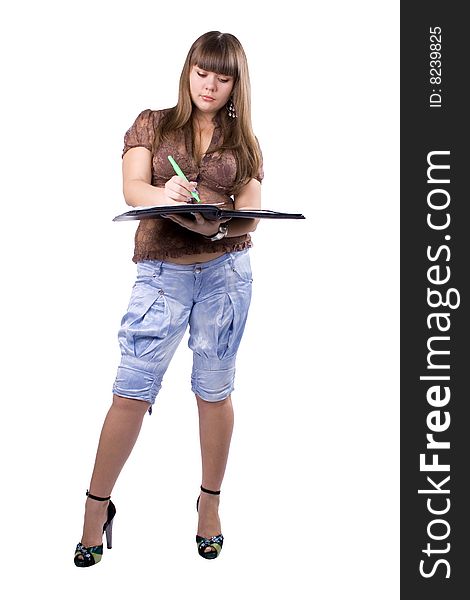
204, 403
139, 406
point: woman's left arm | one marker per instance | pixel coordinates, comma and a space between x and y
249, 198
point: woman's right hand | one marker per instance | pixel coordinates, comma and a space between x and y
179, 190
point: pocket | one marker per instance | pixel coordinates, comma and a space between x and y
146, 322
231, 320
241, 266
148, 271
224, 327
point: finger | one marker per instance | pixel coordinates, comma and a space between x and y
178, 195
177, 189
178, 180
192, 186
182, 221
184, 193
189, 186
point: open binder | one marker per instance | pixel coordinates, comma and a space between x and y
209, 211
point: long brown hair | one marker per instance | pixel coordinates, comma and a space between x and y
220, 53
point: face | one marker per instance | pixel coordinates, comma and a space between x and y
209, 91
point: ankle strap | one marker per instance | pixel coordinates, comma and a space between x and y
210, 491
96, 497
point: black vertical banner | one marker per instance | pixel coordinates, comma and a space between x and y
435, 315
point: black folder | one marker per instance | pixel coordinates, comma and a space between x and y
209, 211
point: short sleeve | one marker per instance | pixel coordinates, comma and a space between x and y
141, 132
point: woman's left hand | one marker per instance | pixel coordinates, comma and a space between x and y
199, 224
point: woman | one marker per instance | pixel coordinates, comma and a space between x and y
192, 272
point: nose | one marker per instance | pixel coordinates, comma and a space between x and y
210, 82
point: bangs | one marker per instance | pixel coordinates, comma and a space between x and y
216, 57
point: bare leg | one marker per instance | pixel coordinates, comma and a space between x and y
215, 431
118, 436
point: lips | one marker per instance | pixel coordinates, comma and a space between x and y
208, 98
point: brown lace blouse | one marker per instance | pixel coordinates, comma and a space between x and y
161, 239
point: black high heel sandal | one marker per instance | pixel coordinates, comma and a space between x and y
215, 542
91, 555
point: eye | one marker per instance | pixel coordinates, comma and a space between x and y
201, 74
223, 80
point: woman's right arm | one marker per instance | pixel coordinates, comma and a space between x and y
137, 177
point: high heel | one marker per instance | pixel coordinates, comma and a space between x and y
91, 555
215, 542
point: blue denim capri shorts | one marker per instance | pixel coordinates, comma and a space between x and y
212, 297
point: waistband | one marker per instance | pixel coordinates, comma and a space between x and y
158, 264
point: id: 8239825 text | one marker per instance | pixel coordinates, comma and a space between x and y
435, 67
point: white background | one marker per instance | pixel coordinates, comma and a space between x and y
309, 504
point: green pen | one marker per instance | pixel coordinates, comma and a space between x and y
179, 172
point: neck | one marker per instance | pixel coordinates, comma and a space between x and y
204, 120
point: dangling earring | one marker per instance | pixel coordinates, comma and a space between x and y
231, 109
